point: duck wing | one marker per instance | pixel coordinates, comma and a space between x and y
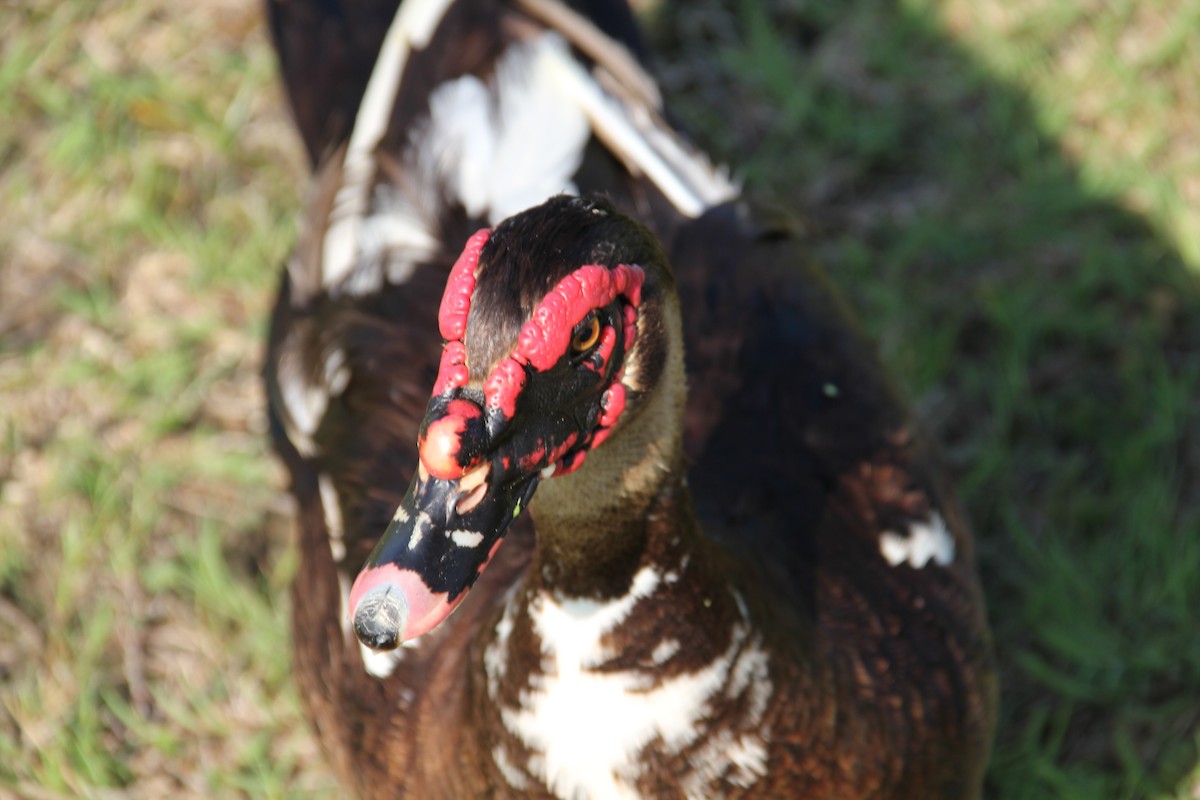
807, 464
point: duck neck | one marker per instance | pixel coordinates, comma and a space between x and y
629, 610
627, 506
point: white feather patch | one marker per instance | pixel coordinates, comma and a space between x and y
347, 624
304, 403
510, 144
412, 28
392, 240
926, 541
383, 664
333, 517
512, 776
587, 726
380, 664
499, 147
337, 374
663, 651
739, 757
495, 664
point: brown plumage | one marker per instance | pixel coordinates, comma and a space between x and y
785, 536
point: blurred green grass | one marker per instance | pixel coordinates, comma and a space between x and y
1008, 192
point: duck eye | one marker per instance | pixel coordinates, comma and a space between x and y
586, 335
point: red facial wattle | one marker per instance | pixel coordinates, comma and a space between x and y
503, 386
456, 299
443, 440
545, 337
453, 312
543, 341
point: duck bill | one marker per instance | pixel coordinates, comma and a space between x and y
442, 537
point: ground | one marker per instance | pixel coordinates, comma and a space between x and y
1007, 192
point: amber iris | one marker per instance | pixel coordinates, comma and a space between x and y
586, 335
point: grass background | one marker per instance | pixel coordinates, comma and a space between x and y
1009, 192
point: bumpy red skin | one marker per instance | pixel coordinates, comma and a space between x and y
502, 386
542, 342
441, 444
456, 299
452, 315
452, 371
545, 337
608, 340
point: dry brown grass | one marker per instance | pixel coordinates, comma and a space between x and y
150, 177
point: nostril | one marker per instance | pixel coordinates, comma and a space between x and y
469, 500
472, 487
475, 477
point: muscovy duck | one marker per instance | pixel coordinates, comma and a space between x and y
747, 582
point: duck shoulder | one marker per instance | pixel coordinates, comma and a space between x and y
808, 467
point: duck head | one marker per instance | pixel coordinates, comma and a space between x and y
543, 318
